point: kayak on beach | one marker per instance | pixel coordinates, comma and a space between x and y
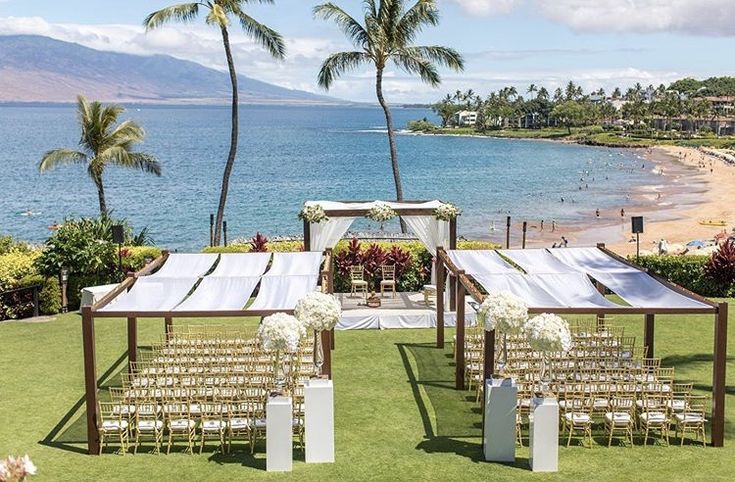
710, 222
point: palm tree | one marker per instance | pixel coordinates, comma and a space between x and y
103, 143
219, 13
387, 35
531, 89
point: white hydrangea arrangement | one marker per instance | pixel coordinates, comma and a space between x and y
381, 213
15, 469
281, 333
548, 333
503, 311
447, 212
313, 214
318, 311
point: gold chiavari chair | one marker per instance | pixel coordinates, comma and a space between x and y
111, 422
678, 396
620, 417
577, 416
213, 424
179, 422
239, 422
692, 419
653, 417
148, 424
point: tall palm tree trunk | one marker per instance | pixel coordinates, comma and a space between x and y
101, 196
233, 140
391, 140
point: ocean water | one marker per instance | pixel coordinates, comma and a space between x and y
291, 154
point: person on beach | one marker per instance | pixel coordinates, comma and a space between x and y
564, 242
597, 213
542, 225
553, 246
622, 213
553, 225
562, 200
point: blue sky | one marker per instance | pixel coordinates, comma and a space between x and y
601, 43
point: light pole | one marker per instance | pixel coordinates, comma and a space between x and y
64, 283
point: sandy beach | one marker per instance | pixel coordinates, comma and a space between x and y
694, 187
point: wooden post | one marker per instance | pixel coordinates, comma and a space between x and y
331, 339
489, 356
648, 338
452, 279
168, 326
600, 318
718, 377
90, 380
307, 236
132, 342
459, 365
440, 274
507, 232
224, 232
525, 229
211, 230
327, 367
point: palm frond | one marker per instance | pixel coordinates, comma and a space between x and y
127, 132
413, 63
444, 56
218, 16
423, 13
58, 157
271, 40
183, 12
351, 27
337, 64
120, 156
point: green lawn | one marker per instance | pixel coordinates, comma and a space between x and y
397, 416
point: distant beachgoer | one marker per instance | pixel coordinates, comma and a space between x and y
622, 213
553, 245
564, 241
553, 225
659, 196
542, 225
663, 246
562, 200
597, 213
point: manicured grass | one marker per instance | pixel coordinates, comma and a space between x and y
397, 416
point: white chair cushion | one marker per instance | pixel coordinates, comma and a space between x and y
577, 417
149, 425
181, 424
690, 417
677, 405
618, 417
213, 425
653, 417
114, 425
259, 423
239, 423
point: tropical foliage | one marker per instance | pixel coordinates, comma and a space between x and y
219, 14
721, 265
691, 272
104, 142
386, 36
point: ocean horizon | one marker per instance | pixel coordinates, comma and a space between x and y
290, 154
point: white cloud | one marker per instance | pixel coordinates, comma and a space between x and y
695, 17
487, 7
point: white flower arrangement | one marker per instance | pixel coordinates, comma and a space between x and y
313, 214
503, 311
318, 311
381, 212
281, 333
15, 469
548, 333
447, 212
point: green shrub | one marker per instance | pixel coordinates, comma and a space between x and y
273, 247
49, 295
686, 271
8, 244
14, 265
134, 256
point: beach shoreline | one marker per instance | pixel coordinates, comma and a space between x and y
694, 186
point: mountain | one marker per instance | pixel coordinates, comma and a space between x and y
41, 69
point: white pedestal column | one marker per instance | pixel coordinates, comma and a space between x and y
544, 435
279, 434
319, 420
499, 430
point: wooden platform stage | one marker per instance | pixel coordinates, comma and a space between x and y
406, 310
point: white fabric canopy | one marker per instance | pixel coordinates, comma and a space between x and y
537, 261
152, 294
282, 292
185, 266
327, 234
216, 293
475, 262
636, 287
520, 285
305, 263
573, 290
241, 265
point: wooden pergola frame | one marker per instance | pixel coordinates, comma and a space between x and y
90, 313
465, 284
401, 212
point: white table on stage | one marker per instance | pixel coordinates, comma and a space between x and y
499, 430
319, 420
279, 434
544, 435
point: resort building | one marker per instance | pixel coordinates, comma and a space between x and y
464, 118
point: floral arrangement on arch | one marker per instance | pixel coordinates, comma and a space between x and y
318, 311
548, 333
281, 333
447, 212
313, 214
381, 213
15, 469
503, 311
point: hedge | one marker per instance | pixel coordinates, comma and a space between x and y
686, 271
